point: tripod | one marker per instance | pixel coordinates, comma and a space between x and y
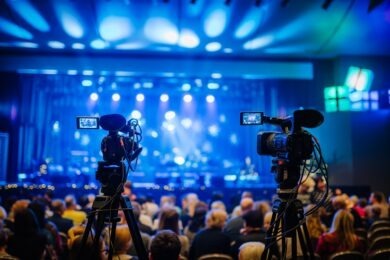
287, 220
106, 208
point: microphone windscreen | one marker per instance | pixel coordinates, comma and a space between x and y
112, 122
308, 118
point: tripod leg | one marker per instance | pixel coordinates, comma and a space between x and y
133, 227
91, 219
308, 241
112, 238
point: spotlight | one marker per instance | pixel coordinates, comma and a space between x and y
94, 96
187, 98
140, 97
164, 98
116, 97
210, 99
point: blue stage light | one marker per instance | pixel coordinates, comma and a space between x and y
30, 14
98, 44
258, 42
94, 96
14, 30
115, 97
188, 39
136, 114
56, 44
115, 28
187, 98
210, 99
78, 46
161, 30
56, 127
186, 87
164, 97
169, 115
213, 85
213, 46
86, 83
216, 75
140, 97
186, 123
215, 23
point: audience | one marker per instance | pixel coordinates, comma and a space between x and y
251, 250
165, 245
341, 236
28, 231
211, 239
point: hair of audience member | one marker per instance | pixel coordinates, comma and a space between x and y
247, 194
136, 209
3, 214
198, 220
58, 206
342, 225
246, 204
251, 250
76, 251
267, 220
313, 222
362, 202
169, 219
379, 197
70, 202
165, 245
263, 206
218, 204
26, 223
38, 207
18, 206
339, 202
253, 219
122, 239
216, 218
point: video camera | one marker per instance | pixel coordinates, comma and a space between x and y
120, 144
293, 143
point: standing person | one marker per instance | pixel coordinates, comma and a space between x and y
341, 236
211, 240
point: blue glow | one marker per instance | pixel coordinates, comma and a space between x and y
222, 118
72, 72
187, 98
98, 44
215, 23
86, 83
210, 99
94, 96
227, 50
355, 96
114, 28
31, 45
374, 95
233, 139
186, 87
56, 44
30, 14
136, 114
164, 97
153, 134
212, 85
14, 30
115, 97
140, 97
249, 23
137, 85
87, 72
186, 123
78, 46
216, 75
49, 71
179, 160
188, 39
148, 85
213, 130
213, 46
77, 135
56, 127
169, 126
258, 42
169, 115
85, 140
161, 30
130, 46
69, 19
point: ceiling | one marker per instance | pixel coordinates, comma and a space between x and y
218, 28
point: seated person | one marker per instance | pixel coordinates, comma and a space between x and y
165, 245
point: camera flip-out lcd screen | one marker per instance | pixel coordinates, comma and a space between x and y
251, 118
87, 122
